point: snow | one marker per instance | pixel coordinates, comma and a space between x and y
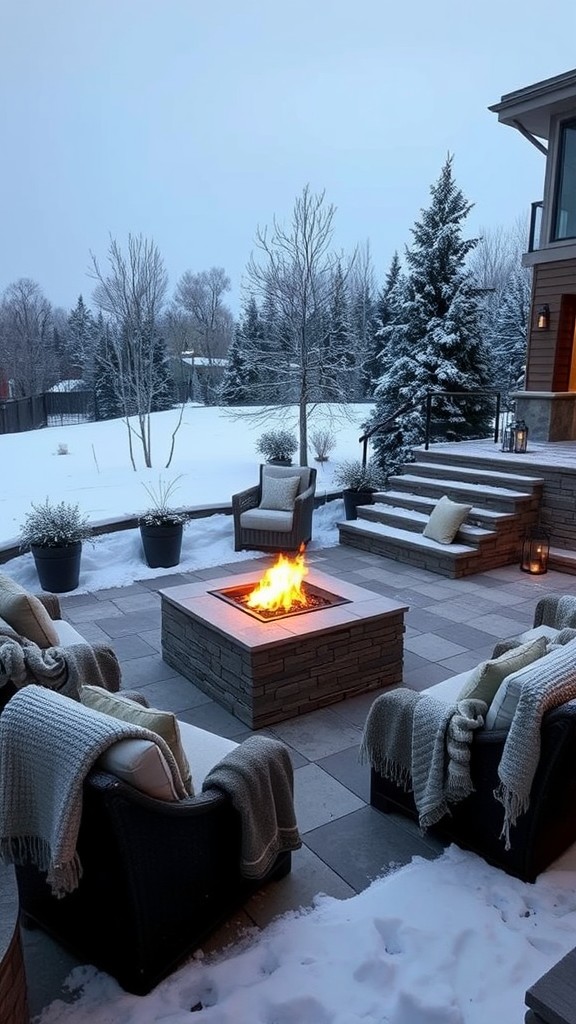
215, 456
452, 941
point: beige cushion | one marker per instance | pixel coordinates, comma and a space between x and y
555, 666
164, 723
26, 614
486, 679
278, 493
445, 520
203, 749
141, 764
266, 519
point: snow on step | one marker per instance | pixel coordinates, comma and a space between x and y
419, 483
451, 471
405, 537
423, 501
368, 513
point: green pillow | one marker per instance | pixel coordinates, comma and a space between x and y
486, 679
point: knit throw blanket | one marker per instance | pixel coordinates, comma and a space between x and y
550, 683
64, 669
423, 745
257, 778
48, 744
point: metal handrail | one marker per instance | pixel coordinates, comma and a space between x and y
429, 398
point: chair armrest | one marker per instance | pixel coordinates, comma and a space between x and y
244, 500
51, 603
304, 496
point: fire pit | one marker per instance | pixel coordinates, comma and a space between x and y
267, 666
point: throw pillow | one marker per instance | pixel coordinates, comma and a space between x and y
556, 667
445, 520
26, 614
486, 679
162, 722
279, 492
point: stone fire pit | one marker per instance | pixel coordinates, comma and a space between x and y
268, 671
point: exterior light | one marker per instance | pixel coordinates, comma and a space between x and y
543, 317
520, 437
515, 438
535, 551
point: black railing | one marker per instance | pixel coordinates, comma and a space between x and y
428, 400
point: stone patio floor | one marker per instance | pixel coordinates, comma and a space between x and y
450, 627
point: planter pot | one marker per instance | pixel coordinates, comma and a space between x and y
354, 498
279, 462
58, 568
162, 545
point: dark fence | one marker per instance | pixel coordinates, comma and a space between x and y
55, 408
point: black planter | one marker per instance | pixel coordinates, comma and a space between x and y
162, 544
354, 498
279, 462
58, 568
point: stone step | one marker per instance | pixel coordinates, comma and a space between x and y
487, 517
501, 498
414, 521
449, 471
451, 560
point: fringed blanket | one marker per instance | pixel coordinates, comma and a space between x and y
423, 745
550, 682
64, 669
48, 744
257, 777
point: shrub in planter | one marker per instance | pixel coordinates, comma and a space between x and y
358, 484
162, 527
323, 442
277, 446
53, 532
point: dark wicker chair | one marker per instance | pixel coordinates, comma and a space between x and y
541, 834
280, 531
158, 877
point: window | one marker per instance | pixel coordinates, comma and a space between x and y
565, 213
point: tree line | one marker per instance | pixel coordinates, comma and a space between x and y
315, 325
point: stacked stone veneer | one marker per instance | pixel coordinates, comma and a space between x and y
13, 996
266, 672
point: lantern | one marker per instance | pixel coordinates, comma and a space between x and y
543, 317
520, 437
535, 551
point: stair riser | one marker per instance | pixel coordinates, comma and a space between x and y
471, 496
452, 567
461, 475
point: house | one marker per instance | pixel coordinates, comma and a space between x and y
547, 111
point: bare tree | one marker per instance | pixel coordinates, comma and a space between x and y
210, 321
297, 278
131, 295
26, 337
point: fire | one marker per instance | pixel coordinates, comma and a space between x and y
281, 586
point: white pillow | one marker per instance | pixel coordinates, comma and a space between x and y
551, 669
445, 520
278, 493
141, 764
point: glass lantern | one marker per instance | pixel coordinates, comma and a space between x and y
520, 437
535, 551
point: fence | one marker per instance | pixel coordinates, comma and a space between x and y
54, 408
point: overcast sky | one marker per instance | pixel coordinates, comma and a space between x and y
194, 121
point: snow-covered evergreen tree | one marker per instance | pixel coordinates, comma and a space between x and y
237, 387
82, 339
388, 308
434, 344
508, 338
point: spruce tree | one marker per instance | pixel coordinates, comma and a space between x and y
237, 387
388, 307
435, 343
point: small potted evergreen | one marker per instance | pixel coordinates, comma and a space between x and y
277, 447
358, 484
53, 532
162, 527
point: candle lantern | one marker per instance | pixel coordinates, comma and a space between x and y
535, 551
520, 437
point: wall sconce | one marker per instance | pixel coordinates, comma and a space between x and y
515, 438
543, 317
535, 551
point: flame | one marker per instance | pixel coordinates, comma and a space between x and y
281, 586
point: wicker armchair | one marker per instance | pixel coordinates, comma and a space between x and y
263, 529
158, 878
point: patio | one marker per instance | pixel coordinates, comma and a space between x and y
451, 625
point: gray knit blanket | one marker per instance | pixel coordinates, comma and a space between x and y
64, 669
423, 745
257, 777
551, 682
48, 744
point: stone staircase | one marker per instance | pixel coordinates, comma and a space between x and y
504, 505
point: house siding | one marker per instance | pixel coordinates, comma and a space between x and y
550, 352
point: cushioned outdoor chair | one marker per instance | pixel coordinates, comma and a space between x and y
276, 514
